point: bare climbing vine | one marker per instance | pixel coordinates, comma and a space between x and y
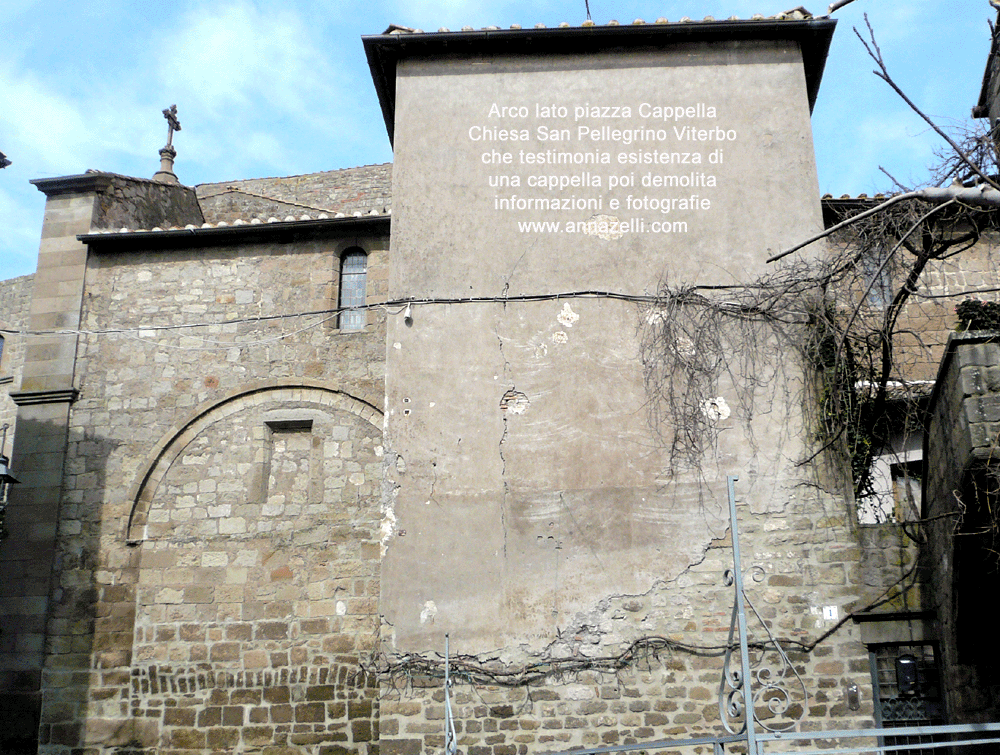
701, 344
851, 317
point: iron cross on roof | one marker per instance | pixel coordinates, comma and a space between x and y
173, 124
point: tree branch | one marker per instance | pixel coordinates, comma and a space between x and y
883, 73
977, 196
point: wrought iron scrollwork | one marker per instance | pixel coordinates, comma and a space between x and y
775, 686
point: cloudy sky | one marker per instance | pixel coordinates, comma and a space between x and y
280, 88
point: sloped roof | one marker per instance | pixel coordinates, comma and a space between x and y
363, 189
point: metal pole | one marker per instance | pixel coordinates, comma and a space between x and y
741, 618
450, 740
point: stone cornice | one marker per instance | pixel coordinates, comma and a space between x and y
57, 396
80, 184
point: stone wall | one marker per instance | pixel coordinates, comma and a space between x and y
142, 203
15, 303
361, 189
218, 546
964, 416
48, 386
222, 530
929, 317
798, 558
962, 452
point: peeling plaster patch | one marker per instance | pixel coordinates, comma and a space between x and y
606, 227
379, 451
560, 337
341, 608
387, 528
567, 317
684, 346
429, 612
514, 402
656, 315
400, 465
397, 345
715, 409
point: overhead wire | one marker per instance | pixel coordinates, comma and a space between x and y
401, 304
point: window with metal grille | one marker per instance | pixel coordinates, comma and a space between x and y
906, 679
877, 278
353, 271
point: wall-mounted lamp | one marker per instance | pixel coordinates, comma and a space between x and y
906, 675
6, 478
408, 316
853, 695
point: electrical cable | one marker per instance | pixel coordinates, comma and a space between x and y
400, 303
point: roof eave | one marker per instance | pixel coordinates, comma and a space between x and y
384, 51
982, 107
284, 232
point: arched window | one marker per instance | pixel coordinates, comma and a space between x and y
353, 270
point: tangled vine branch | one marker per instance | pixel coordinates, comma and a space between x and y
398, 671
848, 317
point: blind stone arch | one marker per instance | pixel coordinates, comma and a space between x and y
172, 445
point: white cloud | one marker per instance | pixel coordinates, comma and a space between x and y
255, 85
43, 126
227, 57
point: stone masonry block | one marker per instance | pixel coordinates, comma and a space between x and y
992, 376
232, 716
223, 738
972, 382
179, 717
272, 630
276, 695
186, 739
225, 651
310, 712
979, 435
401, 747
211, 716
256, 736
973, 410
990, 408
980, 354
